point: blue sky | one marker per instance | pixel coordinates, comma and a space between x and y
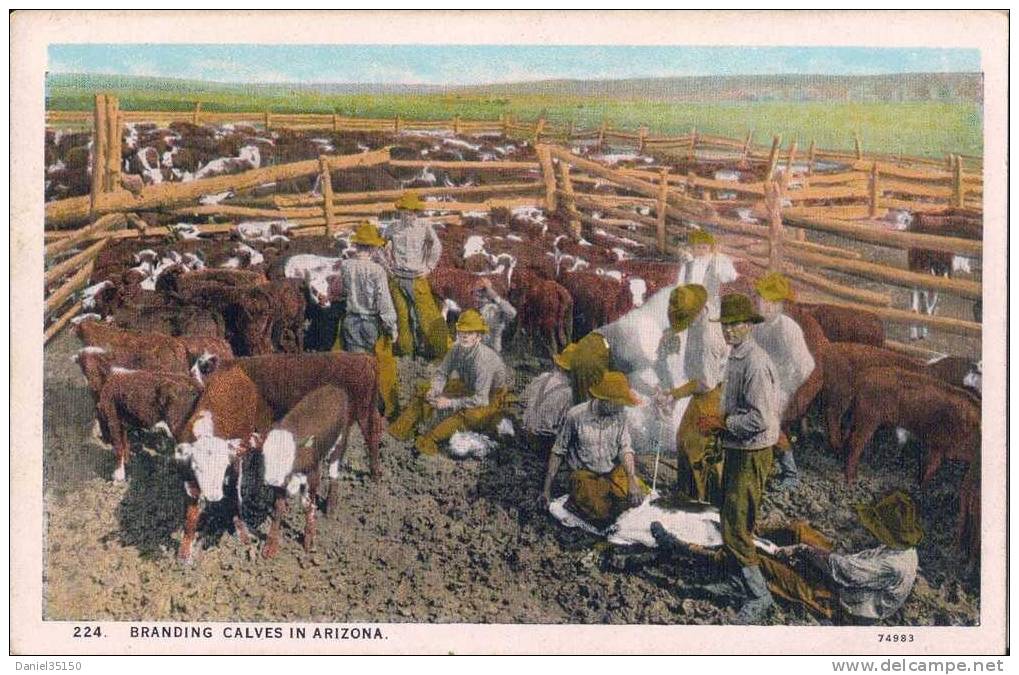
471, 64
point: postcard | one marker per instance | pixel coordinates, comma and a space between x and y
508, 332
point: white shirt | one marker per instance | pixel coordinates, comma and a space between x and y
782, 339
710, 271
706, 352
875, 583
546, 401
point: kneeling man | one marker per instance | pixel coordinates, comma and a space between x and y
596, 444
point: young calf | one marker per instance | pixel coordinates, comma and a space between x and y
946, 418
144, 399
314, 429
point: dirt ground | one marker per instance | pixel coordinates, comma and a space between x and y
435, 540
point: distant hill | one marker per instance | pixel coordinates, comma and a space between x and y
943, 87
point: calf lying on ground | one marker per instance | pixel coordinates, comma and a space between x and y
292, 454
946, 418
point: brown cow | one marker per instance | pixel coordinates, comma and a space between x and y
947, 419
143, 399
244, 396
315, 429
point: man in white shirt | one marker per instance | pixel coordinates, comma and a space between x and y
782, 339
546, 401
708, 268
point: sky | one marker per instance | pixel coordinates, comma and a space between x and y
473, 64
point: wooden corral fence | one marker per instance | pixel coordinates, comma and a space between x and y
656, 207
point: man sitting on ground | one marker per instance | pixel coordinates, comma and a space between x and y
474, 400
596, 444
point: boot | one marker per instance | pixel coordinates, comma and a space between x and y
760, 602
788, 477
428, 443
402, 427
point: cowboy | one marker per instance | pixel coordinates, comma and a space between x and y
366, 291
748, 428
870, 585
782, 339
596, 444
413, 252
474, 400
699, 469
707, 267
495, 310
588, 365
546, 400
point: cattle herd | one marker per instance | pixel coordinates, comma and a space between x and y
222, 347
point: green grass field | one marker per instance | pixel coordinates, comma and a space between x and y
914, 128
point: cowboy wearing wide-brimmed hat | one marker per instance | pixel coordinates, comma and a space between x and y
782, 339
474, 400
700, 470
872, 584
370, 323
413, 252
596, 444
707, 267
366, 289
748, 428
546, 399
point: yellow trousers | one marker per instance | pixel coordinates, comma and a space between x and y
432, 334
482, 419
699, 464
600, 498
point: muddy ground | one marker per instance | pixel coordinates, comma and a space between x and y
436, 540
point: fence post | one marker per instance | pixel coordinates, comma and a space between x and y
538, 129
99, 131
773, 202
113, 144
456, 125
397, 124
547, 174
691, 183
336, 122
504, 122
601, 133
773, 157
570, 201
569, 131
810, 159
872, 211
641, 139
661, 211
958, 194
856, 142
693, 143
196, 113
327, 195
746, 145
268, 119
789, 165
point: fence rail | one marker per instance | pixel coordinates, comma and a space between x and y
844, 203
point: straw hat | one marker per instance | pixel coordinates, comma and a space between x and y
893, 520
564, 359
471, 322
700, 237
614, 388
684, 304
737, 308
410, 201
368, 235
774, 286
